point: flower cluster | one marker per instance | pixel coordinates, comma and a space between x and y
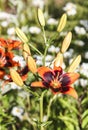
54, 78
7, 59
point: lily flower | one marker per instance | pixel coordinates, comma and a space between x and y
56, 80
7, 59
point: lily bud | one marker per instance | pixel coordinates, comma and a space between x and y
41, 17
66, 42
21, 35
16, 78
62, 23
26, 51
74, 64
32, 64
58, 60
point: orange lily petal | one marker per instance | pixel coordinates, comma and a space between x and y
13, 44
71, 91
70, 78
2, 73
37, 84
43, 70
58, 69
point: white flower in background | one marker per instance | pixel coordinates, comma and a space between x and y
38, 3
4, 89
8, 87
34, 30
80, 30
53, 49
84, 69
23, 94
52, 21
48, 63
38, 60
79, 43
18, 112
6, 16
63, 33
20, 59
24, 29
86, 55
83, 82
69, 53
37, 57
57, 49
70, 9
48, 58
76, 83
4, 23
14, 86
11, 31
84, 23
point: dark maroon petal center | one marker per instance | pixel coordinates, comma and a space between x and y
48, 76
65, 80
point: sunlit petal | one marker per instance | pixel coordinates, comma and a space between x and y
46, 73
37, 84
69, 78
70, 91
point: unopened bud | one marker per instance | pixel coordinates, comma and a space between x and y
41, 17
32, 65
62, 23
74, 64
58, 60
26, 51
21, 35
66, 42
16, 77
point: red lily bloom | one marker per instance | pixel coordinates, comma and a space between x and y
6, 59
10, 44
56, 80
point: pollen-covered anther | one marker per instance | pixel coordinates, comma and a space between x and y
55, 84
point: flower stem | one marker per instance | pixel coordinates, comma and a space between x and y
41, 110
30, 121
44, 36
28, 90
35, 49
49, 106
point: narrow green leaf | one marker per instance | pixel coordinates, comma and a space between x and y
85, 122
69, 106
85, 114
84, 101
46, 123
69, 125
65, 118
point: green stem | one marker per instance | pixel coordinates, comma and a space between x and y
28, 90
44, 36
49, 106
45, 52
54, 37
13, 127
35, 49
32, 123
47, 43
41, 109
